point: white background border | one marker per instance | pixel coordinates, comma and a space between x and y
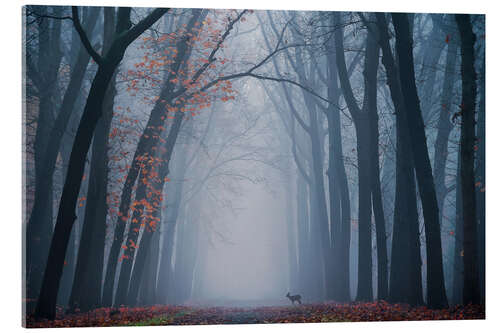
10, 152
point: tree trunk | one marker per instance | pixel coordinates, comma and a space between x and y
405, 273
317, 173
481, 182
340, 210
86, 293
436, 294
142, 195
148, 139
163, 172
147, 286
365, 288
40, 224
378, 209
91, 114
143, 255
471, 290
363, 136
444, 123
458, 252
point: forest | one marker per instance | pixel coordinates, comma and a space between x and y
206, 166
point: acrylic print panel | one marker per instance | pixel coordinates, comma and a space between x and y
217, 166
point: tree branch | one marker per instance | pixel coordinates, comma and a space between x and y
83, 36
342, 69
144, 24
211, 57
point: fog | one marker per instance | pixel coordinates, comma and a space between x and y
252, 263
230, 157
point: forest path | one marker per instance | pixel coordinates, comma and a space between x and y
305, 313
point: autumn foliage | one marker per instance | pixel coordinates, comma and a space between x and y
307, 313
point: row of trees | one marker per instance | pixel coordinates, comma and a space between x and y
126, 141
405, 166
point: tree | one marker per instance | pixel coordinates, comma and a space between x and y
445, 124
405, 273
107, 64
361, 118
471, 293
149, 139
45, 77
86, 289
436, 294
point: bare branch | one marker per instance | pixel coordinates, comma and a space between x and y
83, 36
211, 57
144, 24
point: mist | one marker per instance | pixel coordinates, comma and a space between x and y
239, 159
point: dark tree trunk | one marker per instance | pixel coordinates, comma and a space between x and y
142, 194
340, 210
471, 290
458, 252
371, 68
361, 118
40, 224
481, 182
148, 139
68, 272
378, 208
136, 276
405, 273
436, 294
365, 288
43, 186
148, 284
91, 114
86, 293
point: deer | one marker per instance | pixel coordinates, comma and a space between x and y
294, 298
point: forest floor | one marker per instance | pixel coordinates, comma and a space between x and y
305, 313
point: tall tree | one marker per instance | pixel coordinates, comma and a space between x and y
86, 291
445, 115
45, 74
125, 34
340, 206
361, 118
436, 294
458, 262
405, 273
148, 140
471, 290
